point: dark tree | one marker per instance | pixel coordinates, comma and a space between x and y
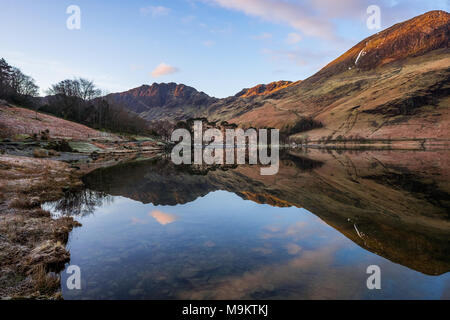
23, 84
79, 100
5, 77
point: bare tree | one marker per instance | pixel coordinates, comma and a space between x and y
88, 90
79, 100
23, 84
163, 128
68, 88
79, 87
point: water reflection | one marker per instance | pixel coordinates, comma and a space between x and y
163, 218
191, 232
80, 202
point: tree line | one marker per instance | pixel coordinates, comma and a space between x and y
78, 100
15, 86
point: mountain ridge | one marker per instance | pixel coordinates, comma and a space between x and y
413, 37
145, 97
264, 89
393, 84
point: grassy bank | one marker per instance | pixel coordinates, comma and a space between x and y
32, 244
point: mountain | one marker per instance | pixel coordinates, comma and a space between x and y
411, 38
163, 101
264, 89
392, 85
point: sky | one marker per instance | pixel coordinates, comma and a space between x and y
216, 46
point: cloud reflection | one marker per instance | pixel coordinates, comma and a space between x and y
163, 218
312, 275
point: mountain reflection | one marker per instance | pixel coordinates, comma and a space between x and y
392, 203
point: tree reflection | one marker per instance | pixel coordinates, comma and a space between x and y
81, 202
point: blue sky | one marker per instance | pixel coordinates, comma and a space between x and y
216, 46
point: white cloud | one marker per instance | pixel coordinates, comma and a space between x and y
296, 15
163, 69
155, 11
293, 38
318, 18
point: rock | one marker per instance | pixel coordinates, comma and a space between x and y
94, 155
60, 145
50, 253
35, 201
40, 153
53, 153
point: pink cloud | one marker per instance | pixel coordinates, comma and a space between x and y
163, 69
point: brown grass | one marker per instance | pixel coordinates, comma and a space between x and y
40, 153
39, 213
48, 186
22, 230
62, 227
15, 121
25, 227
23, 203
46, 283
12, 230
53, 153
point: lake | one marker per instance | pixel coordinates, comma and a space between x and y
153, 230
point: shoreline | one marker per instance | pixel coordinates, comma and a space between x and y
33, 244
398, 144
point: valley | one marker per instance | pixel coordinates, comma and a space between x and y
363, 178
392, 86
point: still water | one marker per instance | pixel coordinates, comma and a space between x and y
155, 231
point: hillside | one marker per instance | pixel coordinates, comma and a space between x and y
392, 85
411, 38
407, 100
264, 89
15, 121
